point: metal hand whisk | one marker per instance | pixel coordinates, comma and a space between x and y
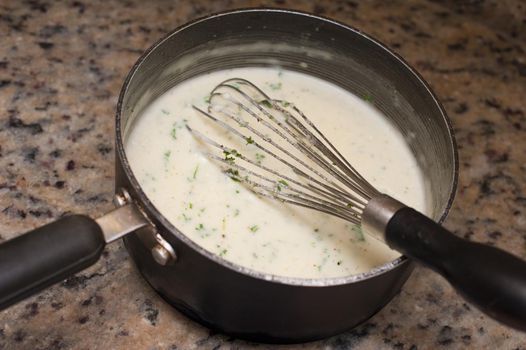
325, 180
320, 178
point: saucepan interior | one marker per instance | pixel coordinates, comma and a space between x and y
307, 44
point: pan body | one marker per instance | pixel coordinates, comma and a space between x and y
246, 303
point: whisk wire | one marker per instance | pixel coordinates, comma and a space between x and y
313, 184
343, 171
294, 139
326, 183
332, 185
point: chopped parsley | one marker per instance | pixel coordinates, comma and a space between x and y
176, 126
280, 184
200, 227
254, 228
283, 182
195, 172
358, 234
368, 98
233, 174
259, 157
249, 140
275, 86
265, 103
230, 156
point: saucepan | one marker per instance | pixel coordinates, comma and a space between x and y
205, 287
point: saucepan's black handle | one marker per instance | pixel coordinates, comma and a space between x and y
46, 255
493, 280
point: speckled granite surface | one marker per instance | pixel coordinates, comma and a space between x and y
61, 68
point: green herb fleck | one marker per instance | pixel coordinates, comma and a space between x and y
280, 184
233, 174
324, 260
285, 103
283, 182
223, 252
249, 140
200, 227
259, 157
358, 234
254, 228
207, 98
176, 126
186, 218
167, 155
368, 98
275, 86
195, 172
230, 156
190, 205
236, 212
265, 103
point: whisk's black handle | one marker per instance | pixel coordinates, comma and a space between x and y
46, 255
493, 280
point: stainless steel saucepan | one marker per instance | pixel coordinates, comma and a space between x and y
202, 285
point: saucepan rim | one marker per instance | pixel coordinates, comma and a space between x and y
307, 282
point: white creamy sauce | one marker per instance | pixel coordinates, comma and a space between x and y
226, 218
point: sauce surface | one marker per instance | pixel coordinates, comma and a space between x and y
226, 218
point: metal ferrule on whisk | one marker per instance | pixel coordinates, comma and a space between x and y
377, 213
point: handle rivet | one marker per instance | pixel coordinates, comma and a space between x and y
161, 255
121, 198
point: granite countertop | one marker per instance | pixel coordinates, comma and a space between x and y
61, 68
